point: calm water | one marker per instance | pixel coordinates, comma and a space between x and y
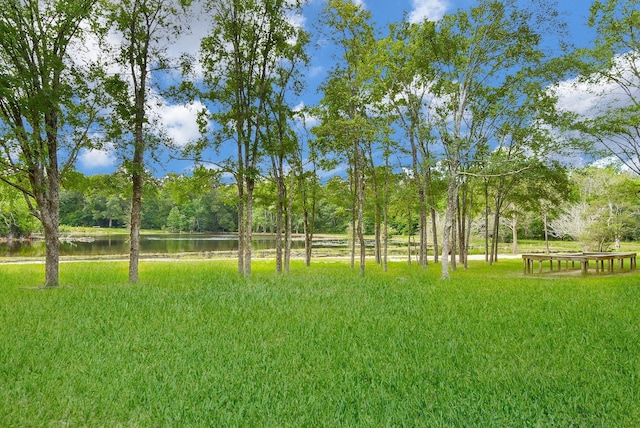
149, 244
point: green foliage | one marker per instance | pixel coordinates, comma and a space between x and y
16, 219
609, 207
609, 69
196, 345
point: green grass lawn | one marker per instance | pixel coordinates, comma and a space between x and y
195, 345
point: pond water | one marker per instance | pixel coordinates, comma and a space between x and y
164, 243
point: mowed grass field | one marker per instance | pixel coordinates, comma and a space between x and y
195, 345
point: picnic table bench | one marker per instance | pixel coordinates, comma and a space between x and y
583, 259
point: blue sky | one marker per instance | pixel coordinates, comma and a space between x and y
179, 120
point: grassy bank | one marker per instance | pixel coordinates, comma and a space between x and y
194, 345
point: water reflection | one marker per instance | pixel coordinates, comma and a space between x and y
149, 244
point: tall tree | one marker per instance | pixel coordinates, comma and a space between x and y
346, 129
145, 28
408, 77
611, 77
307, 185
281, 142
486, 60
250, 40
45, 105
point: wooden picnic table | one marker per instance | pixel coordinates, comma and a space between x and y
583, 259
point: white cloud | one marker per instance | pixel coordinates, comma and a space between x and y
303, 118
180, 122
324, 174
95, 159
592, 97
581, 97
316, 71
430, 10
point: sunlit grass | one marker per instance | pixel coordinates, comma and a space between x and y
195, 345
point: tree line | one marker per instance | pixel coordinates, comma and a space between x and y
461, 114
598, 209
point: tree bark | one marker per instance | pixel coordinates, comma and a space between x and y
241, 224
514, 231
434, 233
288, 223
248, 228
361, 189
449, 222
486, 221
409, 233
134, 233
279, 229
546, 231
50, 208
52, 241
354, 216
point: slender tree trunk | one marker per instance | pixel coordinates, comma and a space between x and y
288, 222
463, 207
277, 164
468, 237
309, 217
423, 232
248, 228
136, 220
49, 203
495, 237
499, 200
354, 216
241, 226
308, 227
361, 189
434, 234
138, 56
409, 232
307, 239
514, 225
454, 232
385, 214
377, 209
279, 227
240, 183
486, 221
434, 215
546, 231
465, 240
137, 179
449, 222
49, 216
378, 237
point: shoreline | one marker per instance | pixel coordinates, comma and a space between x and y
222, 255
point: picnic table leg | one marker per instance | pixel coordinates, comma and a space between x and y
584, 265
